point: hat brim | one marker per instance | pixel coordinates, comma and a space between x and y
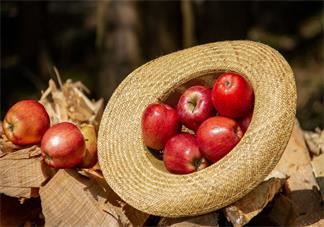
140, 180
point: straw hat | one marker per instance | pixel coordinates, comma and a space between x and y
142, 181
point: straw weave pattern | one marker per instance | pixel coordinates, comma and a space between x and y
124, 158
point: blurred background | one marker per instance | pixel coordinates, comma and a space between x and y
101, 42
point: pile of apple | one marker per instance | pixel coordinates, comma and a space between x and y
64, 145
218, 118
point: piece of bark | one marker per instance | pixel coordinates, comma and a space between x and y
210, 219
133, 215
22, 173
16, 170
301, 187
23, 153
315, 219
282, 212
315, 141
84, 202
318, 168
5, 145
243, 210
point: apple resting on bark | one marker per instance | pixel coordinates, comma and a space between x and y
26, 122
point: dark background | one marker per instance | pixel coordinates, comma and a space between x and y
100, 42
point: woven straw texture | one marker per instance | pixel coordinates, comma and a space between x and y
142, 181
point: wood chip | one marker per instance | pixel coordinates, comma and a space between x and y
84, 203
21, 172
136, 217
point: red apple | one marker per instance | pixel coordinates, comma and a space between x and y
195, 106
90, 157
159, 123
217, 136
232, 95
182, 155
63, 146
245, 122
26, 122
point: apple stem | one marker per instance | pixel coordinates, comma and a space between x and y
10, 127
227, 83
47, 156
238, 131
197, 163
192, 104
